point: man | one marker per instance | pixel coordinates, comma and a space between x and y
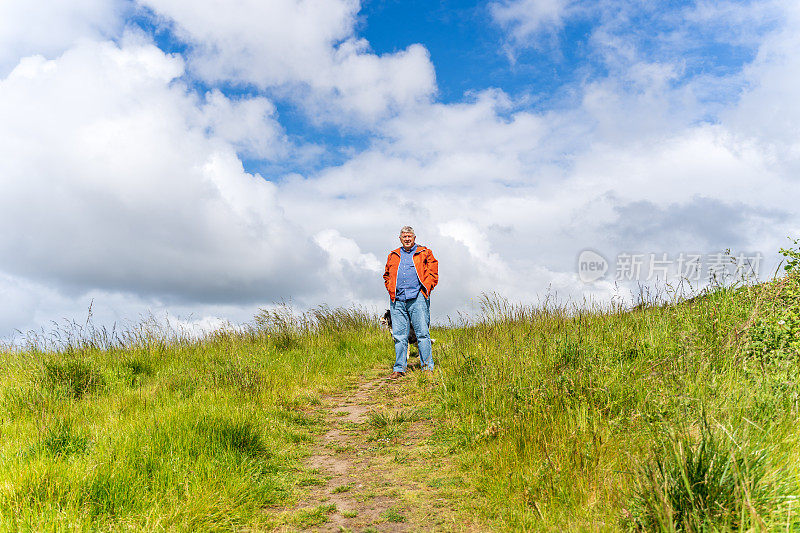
411, 274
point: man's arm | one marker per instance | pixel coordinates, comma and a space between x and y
386, 275
433, 270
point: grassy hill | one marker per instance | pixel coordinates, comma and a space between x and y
665, 417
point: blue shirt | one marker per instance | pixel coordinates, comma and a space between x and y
408, 284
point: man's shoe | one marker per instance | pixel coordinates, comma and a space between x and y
396, 375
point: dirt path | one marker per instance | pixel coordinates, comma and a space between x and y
376, 468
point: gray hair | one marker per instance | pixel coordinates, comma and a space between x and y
407, 229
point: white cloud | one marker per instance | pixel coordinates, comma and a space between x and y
249, 124
768, 113
483, 260
48, 27
305, 47
19, 305
527, 18
42, 313
349, 272
633, 167
111, 181
123, 185
342, 250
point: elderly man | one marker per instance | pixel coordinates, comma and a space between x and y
411, 274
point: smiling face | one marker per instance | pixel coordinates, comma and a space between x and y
407, 240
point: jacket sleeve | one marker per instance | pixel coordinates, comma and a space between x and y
433, 270
386, 275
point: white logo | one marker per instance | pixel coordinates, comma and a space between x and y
591, 266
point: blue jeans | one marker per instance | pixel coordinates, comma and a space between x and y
417, 312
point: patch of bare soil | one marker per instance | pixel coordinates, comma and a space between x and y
375, 468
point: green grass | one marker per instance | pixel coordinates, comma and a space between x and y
716, 481
309, 481
679, 417
316, 516
163, 432
393, 515
577, 418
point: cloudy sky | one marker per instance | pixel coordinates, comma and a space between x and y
204, 158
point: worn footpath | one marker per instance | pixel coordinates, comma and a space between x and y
376, 465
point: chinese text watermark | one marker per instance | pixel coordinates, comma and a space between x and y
691, 266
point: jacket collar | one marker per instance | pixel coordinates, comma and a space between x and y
418, 250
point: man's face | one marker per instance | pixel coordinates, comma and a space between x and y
407, 240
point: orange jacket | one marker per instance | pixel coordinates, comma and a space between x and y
426, 265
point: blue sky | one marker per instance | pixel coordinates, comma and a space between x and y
460, 36
198, 160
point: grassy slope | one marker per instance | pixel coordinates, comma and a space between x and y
178, 435
561, 415
561, 420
